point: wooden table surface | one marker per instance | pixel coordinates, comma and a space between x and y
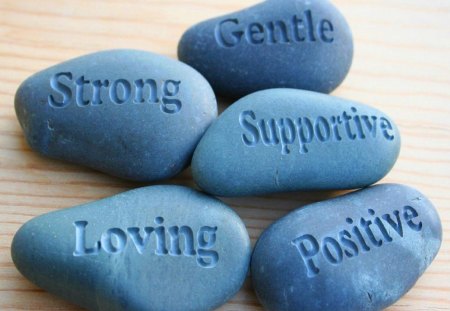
401, 66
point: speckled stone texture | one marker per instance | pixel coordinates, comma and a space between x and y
283, 140
278, 43
361, 251
131, 114
160, 248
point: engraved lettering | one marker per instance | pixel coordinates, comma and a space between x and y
346, 246
397, 226
80, 90
323, 129
326, 27
283, 36
182, 241
255, 33
113, 241
337, 255
386, 127
246, 125
206, 238
301, 28
409, 213
233, 38
308, 252
358, 235
286, 128
91, 92
351, 249
120, 91
152, 91
310, 25
371, 127
62, 90
97, 88
268, 132
303, 137
80, 241
171, 105
303, 131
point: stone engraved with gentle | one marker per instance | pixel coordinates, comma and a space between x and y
361, 251
278, 43
137, 251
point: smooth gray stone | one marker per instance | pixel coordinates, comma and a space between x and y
278, 43
283, 140
361, 251
131, 114
160, 248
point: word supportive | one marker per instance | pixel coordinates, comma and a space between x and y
286, 131
230, 32
83, 92
350, 243
114, 241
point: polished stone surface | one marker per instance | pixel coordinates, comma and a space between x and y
131, 114
278, 43
361, 251
159, 248
283, 140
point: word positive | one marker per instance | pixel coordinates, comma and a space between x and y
349, 243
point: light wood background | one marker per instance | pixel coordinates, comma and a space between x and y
401, 66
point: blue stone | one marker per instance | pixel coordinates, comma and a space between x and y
283, 140
155, 248
131, 114
361, 251
278, 43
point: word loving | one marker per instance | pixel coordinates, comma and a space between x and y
83, 92
230, 32
114, 241
286, 131
349, 243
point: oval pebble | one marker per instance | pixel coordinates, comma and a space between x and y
278, 43
131, 114
283, 140
155, 248
362, 251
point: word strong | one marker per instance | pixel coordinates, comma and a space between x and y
364, 235
181, 241
67, 89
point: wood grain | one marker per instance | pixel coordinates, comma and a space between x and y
401, 66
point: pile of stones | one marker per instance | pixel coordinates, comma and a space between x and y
144, 117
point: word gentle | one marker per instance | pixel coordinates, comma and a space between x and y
114, 241
286, 131
121, 91
333, 250
230, 32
